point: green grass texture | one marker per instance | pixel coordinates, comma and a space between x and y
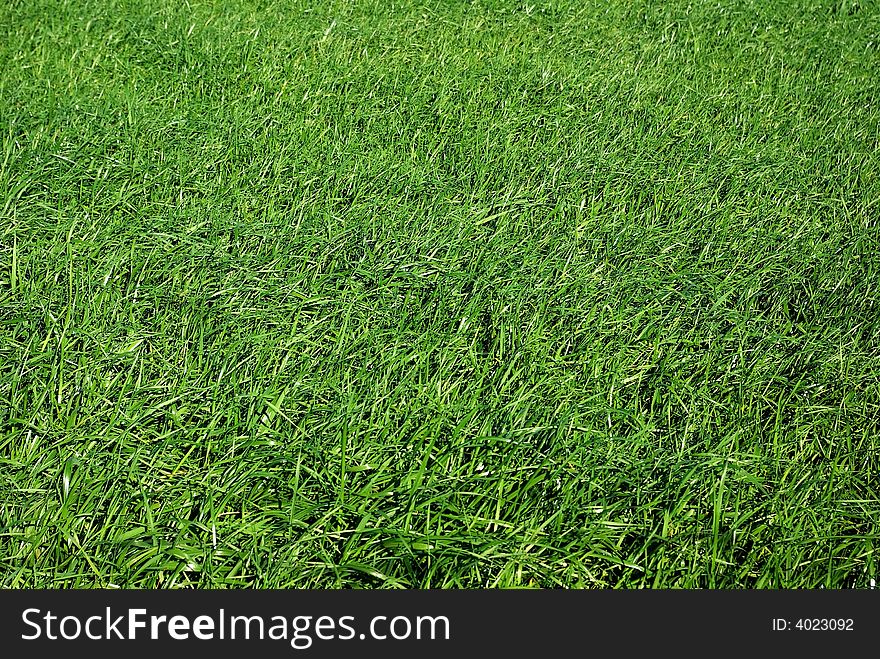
439, 294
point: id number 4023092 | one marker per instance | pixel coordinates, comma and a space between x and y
814, 625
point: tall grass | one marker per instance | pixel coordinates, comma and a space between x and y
439, 294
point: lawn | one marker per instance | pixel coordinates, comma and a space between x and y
439, 294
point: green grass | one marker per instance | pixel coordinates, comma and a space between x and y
439, 293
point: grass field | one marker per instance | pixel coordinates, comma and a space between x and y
439, 293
